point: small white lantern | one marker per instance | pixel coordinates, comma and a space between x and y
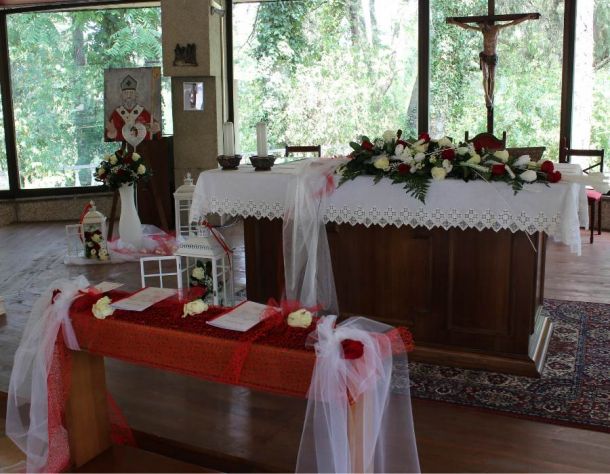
206, 248
94, 234
183, 198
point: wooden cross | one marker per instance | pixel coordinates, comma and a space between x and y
490, 26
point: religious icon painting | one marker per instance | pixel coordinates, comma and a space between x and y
132, 104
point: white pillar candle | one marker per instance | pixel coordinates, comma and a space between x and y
228, 139
261, 139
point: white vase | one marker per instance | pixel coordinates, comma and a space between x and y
130, 228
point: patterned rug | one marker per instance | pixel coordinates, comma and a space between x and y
574, 388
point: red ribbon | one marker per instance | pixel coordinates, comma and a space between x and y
220, 239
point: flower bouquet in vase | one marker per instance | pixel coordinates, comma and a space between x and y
121, 171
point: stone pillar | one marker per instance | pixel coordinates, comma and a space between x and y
197, 134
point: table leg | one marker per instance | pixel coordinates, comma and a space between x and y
87, 409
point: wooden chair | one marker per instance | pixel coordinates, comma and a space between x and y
593, 197
488, 141
535, 152
317, 149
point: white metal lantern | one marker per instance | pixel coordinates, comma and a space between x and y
94, 233
206, 248
183, 198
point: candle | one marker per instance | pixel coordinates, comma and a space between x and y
261, 139
228, 139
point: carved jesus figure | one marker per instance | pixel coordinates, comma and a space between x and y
488, 58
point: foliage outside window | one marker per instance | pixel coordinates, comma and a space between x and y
591, 99
323, 72
57, 63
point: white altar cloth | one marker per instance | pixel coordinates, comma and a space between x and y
450, 203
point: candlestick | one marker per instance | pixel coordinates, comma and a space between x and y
228, 139
261, 139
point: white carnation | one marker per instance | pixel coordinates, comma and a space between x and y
102, 309
382, 163
135, 156
300, 319
198, 273
141, 169
502, 155
194, 307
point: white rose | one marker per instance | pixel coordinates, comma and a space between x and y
474, 159
502, 155
406, 155
419, 157
528, 176
522, 161
439, 173
93, 252
421, 148
198, 273
102, 309
194, 307
135, 156
113, 160
388, 136
445, 142
399, 149
96, 238
447, 165
300, 319
382, 163
141, 169
462, 150
103, 253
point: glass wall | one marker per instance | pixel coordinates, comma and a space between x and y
324, 71
457, 102
57, 63
591, 99
528, 85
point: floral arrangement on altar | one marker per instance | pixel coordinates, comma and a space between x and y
415, 164
201, 276
122, 167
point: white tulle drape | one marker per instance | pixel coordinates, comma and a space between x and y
307, 265
27, 408
371, 430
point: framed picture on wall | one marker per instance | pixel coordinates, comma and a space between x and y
193, 96
132, 103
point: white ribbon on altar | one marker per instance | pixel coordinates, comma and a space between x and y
371, 429
27, 408
307, 265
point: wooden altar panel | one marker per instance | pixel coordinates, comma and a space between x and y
469, 297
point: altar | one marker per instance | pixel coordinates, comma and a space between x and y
464, 271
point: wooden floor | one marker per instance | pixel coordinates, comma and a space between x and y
236, 429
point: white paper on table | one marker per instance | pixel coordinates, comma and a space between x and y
106, 286
143, 299
241, 318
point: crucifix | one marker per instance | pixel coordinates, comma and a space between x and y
490, 26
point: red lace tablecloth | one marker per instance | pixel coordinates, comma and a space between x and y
271, 357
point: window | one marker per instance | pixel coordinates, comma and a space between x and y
528, 97
57, 63
457, 103
322, 72
591, 98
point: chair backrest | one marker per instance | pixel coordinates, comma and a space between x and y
317, 149
535, 152
488, 141
566, 153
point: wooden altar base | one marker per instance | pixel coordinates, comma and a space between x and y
471, 298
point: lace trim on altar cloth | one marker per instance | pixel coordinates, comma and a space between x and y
428, 218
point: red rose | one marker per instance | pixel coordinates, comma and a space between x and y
352, 349
425, 137
448, 154
402, 142
367, 146
498, 170
554, 176
547, 167
403, 169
